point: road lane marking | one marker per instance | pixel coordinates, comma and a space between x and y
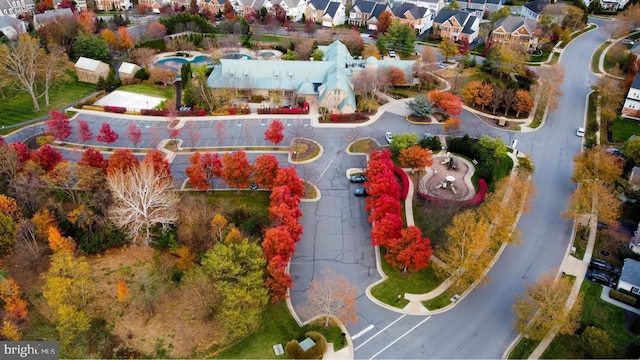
398, 339
379, 332
366, 330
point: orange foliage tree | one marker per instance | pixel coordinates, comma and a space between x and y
448, 102
14, 306
122, 291
416, 157
411, 251
57, 242
236, 169
452, 125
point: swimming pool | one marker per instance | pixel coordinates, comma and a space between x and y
174, 63
237, 56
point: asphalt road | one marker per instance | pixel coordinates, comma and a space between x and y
337, 232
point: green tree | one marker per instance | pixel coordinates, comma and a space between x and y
448, 48
452, 6
631, 149
505, 60
185, 75
421, 106
7, 233
500, 14
236, 270
402, 141
495, 146
92, 47
400, 37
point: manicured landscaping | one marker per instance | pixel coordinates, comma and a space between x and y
523, 349
623, 128
603, 315
168, 92
277, 327
595, 58
364, 146
580, 241
399, 283
18, 106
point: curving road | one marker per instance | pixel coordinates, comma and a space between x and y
480, 326
337, 232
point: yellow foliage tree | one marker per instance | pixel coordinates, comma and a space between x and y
72, 325
57, 242
234, 236
185, 258
218, 227
43, 219
8, 205
10, 331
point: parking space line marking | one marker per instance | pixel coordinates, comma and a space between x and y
398, 339
379, 332
366, 330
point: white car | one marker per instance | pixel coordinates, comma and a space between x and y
392, 53
580, 132
628, 42
388, 136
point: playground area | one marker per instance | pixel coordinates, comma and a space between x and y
449, 178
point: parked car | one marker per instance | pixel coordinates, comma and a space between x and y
360, 192
388, 136
604, 266
628, 42
580, 132
392, 53
253, 186
614, 151
428, 136
358, 178
601, 277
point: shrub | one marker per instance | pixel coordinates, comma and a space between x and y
347, 118
404, 182
142, 74
257, 99
596, 342
432, 143
622, 297
294, 351
115, 109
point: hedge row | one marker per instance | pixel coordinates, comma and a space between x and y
404, 180
115, 109
623, 298
284, 111
349, 118
154, 112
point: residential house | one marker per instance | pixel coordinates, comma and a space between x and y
361, 12
630, 277
106, 5
533, 10
635, 50
327, 83
634, 244
457, 25
81, 5
631, 107
378, 9
482, 8
293, 8
51, 16
214, 6
315, 10
613, 5
90, 70
515, 31
434, 5
334, 15
14, 8
419, 18
11, 27
634, 178
127, 71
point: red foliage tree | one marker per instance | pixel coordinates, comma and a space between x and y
84, 131
278, 280
156, 30
174, 133
122, 160
386, 229
236, 170
265, 170
134, 134
93, 158
58, 125
397, 76
384, 183
157, 159
380, 207
448, 102
283, 195
279, 12
197, 178
24, 154
410, 251
106, 135
385, 20
278, 242
289, 177
274, 132
46, 157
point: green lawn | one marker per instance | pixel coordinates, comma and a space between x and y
398, 283
18, 106
595, 58
277, 327
617, 54
523, 349
168, 92
269, 38
601, 314
623, 129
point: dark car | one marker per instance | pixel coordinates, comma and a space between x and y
360, 192
253, 186
358, 178
601, 277
604, 266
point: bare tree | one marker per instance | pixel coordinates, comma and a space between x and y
22, 64
548, 87
142, 200
53, 68
332, 295
304, 48
143, 56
